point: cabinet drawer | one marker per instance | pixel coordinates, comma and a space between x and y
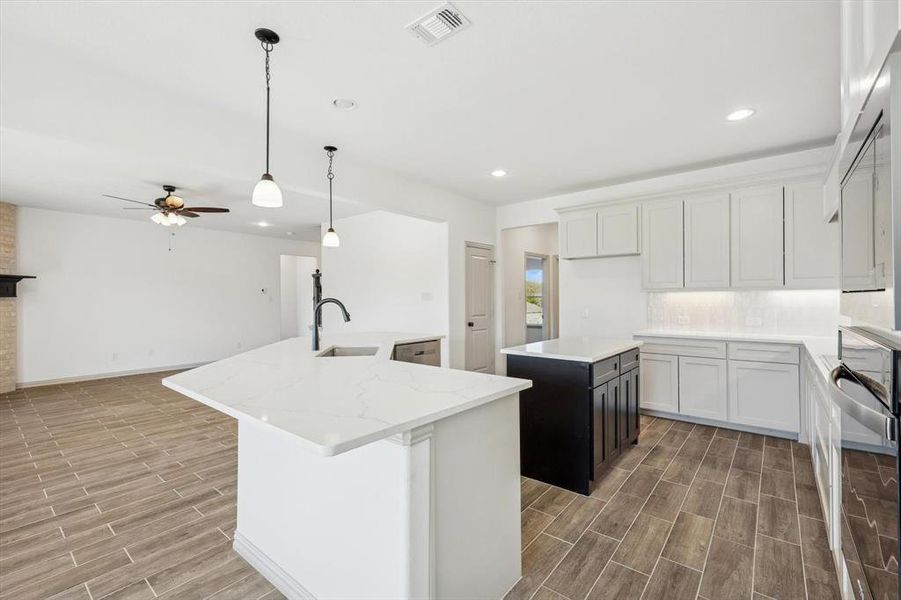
763, 352
628, 360
604, 370
683, 347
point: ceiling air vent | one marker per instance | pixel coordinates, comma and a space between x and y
439, 24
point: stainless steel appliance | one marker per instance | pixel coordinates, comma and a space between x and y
870, 213
423, 353
866, 390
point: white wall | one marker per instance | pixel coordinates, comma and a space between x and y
514, 243
391, 272
110, 297
603, 296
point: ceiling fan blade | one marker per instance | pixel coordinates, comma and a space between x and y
127, 200
139, 208
187, 213
206, 209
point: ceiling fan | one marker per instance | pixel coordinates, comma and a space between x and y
171, 209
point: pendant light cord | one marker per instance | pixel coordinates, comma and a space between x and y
267, 47
331, 175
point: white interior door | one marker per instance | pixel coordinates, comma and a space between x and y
479, 308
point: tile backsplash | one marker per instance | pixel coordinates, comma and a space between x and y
808, 312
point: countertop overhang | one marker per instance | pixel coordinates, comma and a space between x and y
579, 349
331, 405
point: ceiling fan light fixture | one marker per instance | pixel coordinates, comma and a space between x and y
159, 219
266, 193
331, 239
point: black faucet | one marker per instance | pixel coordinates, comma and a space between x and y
317, 312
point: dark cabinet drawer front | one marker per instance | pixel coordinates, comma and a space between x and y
604, 370
628, 360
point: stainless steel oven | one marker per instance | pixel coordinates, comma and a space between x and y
866, 389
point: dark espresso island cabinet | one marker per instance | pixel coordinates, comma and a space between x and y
582, 410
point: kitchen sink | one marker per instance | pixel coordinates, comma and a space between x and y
349, 351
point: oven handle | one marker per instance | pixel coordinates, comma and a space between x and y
873, 420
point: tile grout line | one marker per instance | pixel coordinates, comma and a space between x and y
791, 451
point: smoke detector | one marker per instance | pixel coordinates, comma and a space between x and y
439, 24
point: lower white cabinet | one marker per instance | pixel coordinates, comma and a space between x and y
659, 382
703, 387
764, 395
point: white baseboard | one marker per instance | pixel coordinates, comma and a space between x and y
78, 378
277, 576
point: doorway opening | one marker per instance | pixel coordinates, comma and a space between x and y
296, 294
530, 284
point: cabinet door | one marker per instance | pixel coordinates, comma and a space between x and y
756, 238
635, 408
703, 387
599, 408
579, 235
707, 242
811, 244
660, 382
618, 230
661, 245
611, 437
764, 395
622, 413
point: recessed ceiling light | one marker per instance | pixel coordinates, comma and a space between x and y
498, 173
740, 115
344, 103
290, 233
263, 224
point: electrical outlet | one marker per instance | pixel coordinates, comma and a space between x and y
753, 321
239, 345
683, 319
150, 352
115, 356
426, 296
585, 314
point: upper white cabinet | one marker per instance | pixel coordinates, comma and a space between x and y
757, 238
618, 230
811, 244
661, 253
707, 242
607, 231
578, 235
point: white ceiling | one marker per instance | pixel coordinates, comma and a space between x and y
121, 97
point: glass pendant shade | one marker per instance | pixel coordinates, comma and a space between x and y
330, 239
266, 193
159, 219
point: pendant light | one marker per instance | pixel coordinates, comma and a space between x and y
330, 239
266, 192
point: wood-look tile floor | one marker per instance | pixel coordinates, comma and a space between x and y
118, 488
690, 512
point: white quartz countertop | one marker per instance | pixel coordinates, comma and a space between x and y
580, 349
334, 404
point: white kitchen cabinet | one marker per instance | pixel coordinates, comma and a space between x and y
811, 244
659, 382
579, 234
662, 245
703, 387
756, 238
764, 394
707, 242
618, 230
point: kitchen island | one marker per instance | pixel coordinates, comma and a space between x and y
583, 408
363, 477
